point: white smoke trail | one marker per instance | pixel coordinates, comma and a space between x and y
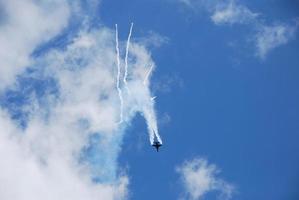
149, 112
146, 101
146, 79
153, 98
118, 76
126, 58
158, 138
155, 128
151, 121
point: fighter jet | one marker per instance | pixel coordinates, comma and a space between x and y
157, 145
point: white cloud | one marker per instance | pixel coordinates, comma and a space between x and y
25, 25
46, 159
153, 39
229, 12
25, 177
232, 13
223, 12
197, 5
270, 37
167, 83
199, 178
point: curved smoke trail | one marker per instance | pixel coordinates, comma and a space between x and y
148, 75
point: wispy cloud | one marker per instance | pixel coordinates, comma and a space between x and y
232, 13
268, 38
229, 12
223, 12
153, 40
168, 82
200, 178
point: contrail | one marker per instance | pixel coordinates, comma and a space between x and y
158, 138
145, 81
151, 116
118, 76
126, 58
152, 125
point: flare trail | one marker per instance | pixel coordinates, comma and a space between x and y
148, 75
118, 76
126, 58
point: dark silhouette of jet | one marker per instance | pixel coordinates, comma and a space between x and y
157, 145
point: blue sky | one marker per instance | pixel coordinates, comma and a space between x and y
237, 110
225, 77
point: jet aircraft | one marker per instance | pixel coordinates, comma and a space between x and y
157, 145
